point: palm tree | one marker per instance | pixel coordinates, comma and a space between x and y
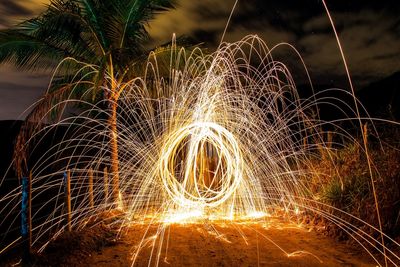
106, 34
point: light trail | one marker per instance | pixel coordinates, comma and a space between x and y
225, 140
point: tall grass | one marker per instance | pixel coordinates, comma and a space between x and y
344, 182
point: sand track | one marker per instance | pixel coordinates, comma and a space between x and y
219, 244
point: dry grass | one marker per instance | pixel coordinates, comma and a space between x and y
342, 179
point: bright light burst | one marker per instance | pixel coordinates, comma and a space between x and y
225, 137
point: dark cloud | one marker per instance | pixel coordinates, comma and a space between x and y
370, 43
369, 31
13, 8
12, 11
18, 91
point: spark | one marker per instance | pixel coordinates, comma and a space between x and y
225, 140
182, 217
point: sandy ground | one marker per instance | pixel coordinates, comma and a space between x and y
220, 244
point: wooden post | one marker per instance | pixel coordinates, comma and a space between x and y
365, 133
30, 209
91, 198
67, 193
329, 139
105, 185
26, 217
304, 143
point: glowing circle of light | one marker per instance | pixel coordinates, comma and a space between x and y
190, 191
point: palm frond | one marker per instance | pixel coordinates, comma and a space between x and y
26, 52
90, 12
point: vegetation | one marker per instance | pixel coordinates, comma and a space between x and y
105, 36
355, 196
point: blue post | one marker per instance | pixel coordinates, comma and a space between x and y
24, 208
65, 182
26, 222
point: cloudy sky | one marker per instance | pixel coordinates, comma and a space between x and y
369, 32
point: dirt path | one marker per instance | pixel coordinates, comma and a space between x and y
256, 244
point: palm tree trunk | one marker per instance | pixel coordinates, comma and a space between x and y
114, 151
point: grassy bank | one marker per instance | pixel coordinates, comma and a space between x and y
341, 178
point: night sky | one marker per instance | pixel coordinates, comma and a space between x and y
369, 31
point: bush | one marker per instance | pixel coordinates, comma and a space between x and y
344, 182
